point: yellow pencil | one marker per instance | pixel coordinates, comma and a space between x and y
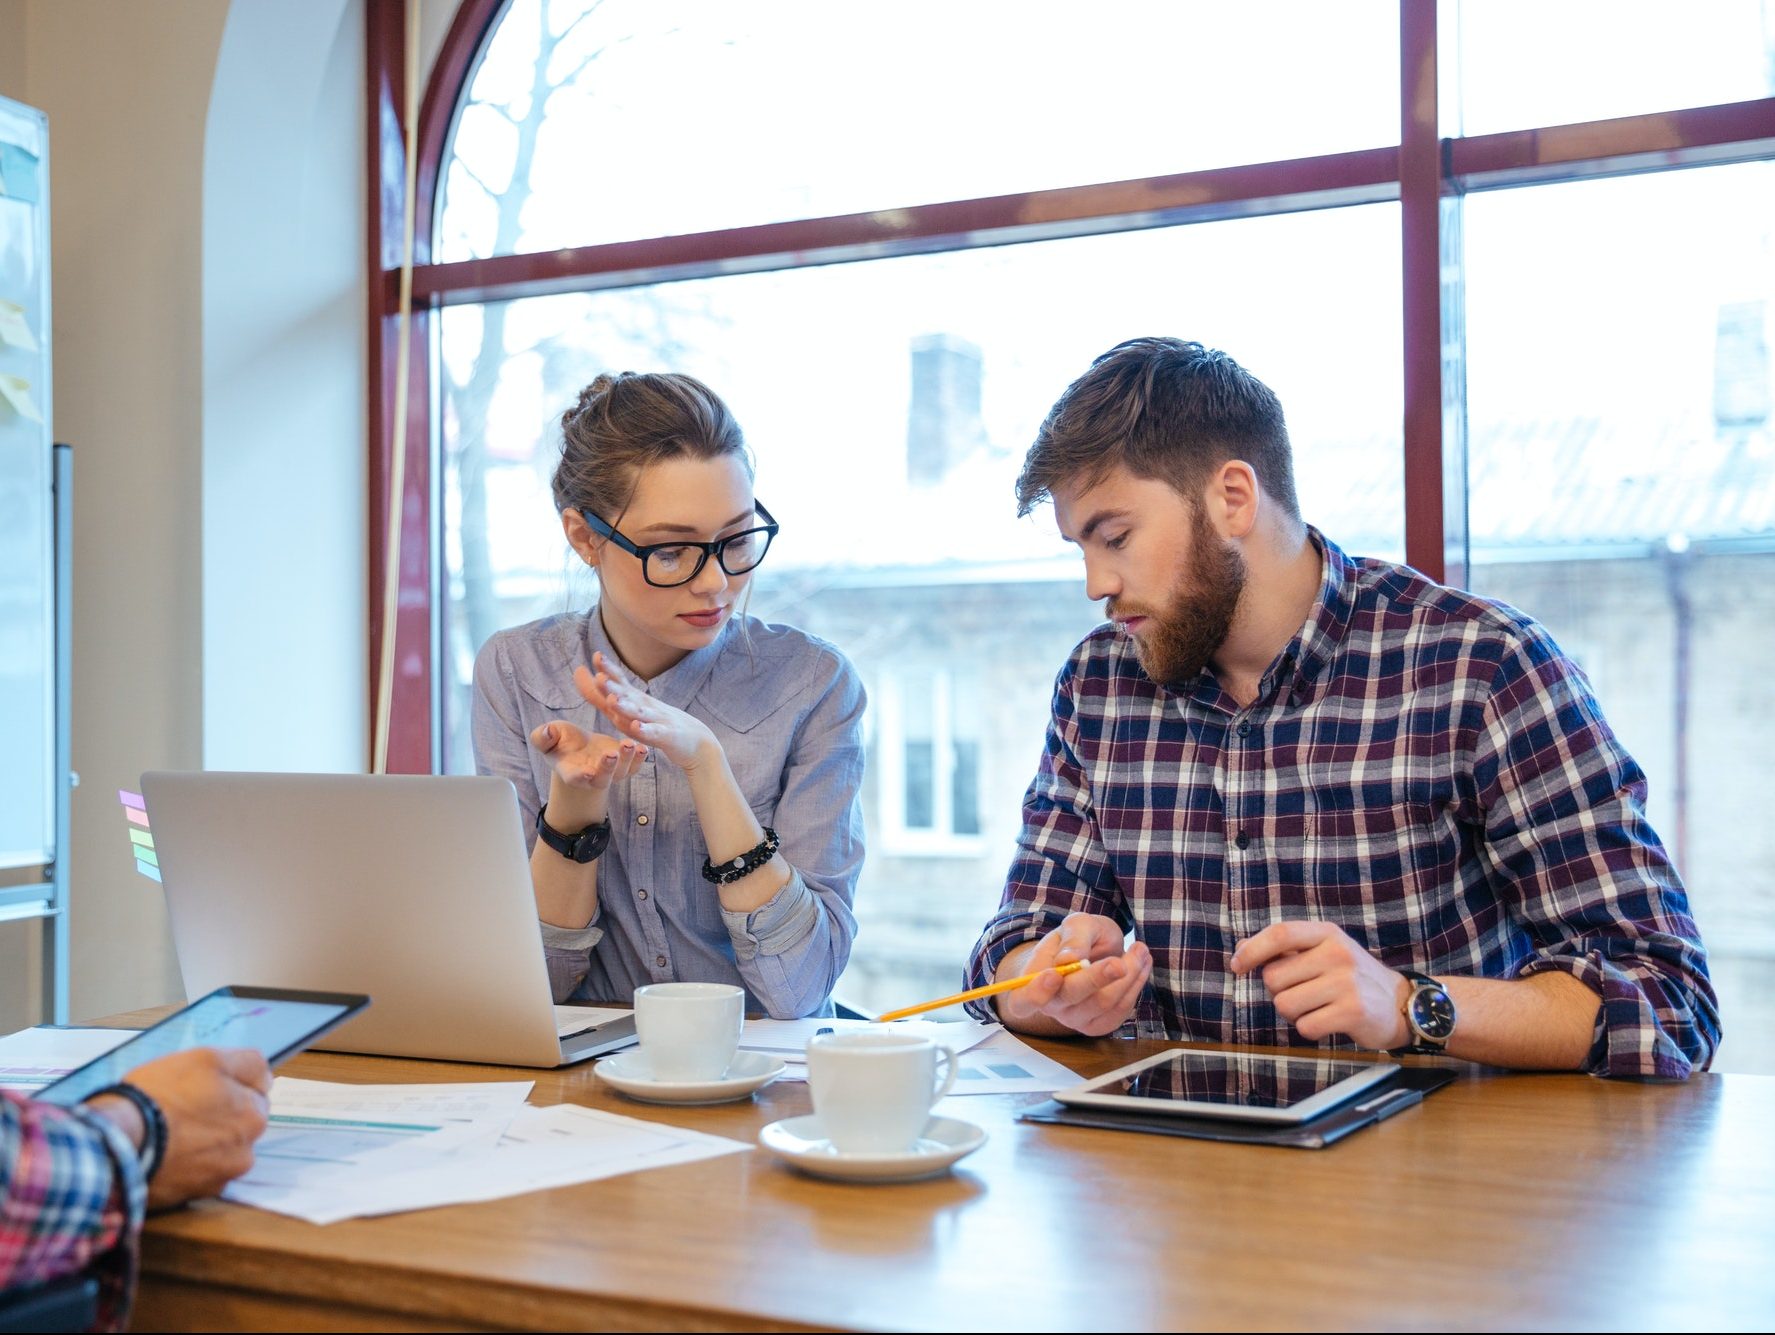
991, 989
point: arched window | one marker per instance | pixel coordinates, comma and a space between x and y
890, 237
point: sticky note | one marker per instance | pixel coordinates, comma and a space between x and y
18, 173
148, 855
14, 332
152, 873
130, 799
139, 817
15, 390
141, 837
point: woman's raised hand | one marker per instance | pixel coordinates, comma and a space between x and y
587, 759
682, 739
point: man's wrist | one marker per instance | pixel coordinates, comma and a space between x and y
152, 1145
123, 1115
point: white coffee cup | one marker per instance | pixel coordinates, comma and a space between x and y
873, 1088
689, 1031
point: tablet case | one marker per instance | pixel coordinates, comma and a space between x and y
1404, 1089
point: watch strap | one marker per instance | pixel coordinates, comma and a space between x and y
582, 846
153, 1150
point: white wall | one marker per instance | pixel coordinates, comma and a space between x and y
207, 167
125, 87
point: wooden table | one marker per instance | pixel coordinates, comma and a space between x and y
1502, 1202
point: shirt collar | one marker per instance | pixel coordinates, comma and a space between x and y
1313, 648
677, 685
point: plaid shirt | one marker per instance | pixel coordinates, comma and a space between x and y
1421, 767
71, 1198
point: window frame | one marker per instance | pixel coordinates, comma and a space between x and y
1427, 173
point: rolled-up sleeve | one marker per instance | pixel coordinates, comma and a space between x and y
1568, 845
1060, 866
71, 1199
791, 950
502, 748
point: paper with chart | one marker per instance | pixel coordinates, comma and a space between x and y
31, 1058
1005, 1064
325, 1137
539, 1148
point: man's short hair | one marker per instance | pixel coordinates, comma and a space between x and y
1162, 408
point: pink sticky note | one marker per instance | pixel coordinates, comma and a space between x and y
139, 817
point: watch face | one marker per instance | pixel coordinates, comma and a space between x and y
1432, 1013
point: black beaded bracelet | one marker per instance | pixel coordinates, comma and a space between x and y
153, 1126
745, 864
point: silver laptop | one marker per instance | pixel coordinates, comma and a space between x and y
414, 889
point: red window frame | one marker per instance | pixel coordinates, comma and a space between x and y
1427, 173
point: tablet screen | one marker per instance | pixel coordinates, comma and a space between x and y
1230, 1083
1233, 1079
227, 1018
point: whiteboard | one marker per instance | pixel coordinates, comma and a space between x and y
27, 551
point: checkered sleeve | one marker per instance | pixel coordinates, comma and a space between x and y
1060, 866
1568, 846
71, 1199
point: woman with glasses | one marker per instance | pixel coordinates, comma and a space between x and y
689, 774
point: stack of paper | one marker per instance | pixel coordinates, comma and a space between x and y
341, 1151
31, 1058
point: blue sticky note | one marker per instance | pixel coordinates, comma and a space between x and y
152, 873
18, 173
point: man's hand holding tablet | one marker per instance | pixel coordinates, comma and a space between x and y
215, 1102
190, 1106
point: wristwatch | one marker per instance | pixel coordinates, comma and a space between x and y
1430, 1014
581, 847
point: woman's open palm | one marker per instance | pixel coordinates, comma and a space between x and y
587, 759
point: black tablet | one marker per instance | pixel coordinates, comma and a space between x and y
278, 1021
1196, 1082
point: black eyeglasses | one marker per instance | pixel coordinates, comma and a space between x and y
666, 565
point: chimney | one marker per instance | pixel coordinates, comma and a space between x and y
944, 426
1740, 368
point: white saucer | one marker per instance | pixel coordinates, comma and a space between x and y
799, 1141
628, 1072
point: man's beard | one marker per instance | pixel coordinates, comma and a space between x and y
1176, 644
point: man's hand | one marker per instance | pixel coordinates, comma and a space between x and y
215, 1103
1323, 983
1093, 1001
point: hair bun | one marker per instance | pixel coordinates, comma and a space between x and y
591, 395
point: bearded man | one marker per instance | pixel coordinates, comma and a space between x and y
1291, 795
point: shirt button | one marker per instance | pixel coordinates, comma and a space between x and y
660, 960
1243, 840
1245, 728
641, 819
641, 894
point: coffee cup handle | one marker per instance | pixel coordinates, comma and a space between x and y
950, 1065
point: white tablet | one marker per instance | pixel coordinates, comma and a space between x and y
1196, 1082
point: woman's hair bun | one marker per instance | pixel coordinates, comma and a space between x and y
590, 396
